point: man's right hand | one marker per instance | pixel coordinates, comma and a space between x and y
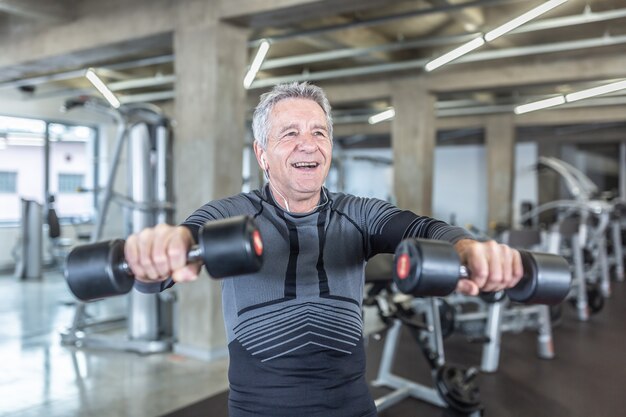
156, 253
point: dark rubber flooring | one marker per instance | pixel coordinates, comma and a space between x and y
586, 379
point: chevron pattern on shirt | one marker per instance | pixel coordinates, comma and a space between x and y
284, 331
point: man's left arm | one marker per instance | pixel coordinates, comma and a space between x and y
493, 266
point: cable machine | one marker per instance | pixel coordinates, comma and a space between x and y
145, 132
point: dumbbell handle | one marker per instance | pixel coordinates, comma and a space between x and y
464, 272
193, 255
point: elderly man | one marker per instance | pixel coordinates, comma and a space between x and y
295, 327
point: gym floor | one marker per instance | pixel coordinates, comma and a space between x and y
40, 377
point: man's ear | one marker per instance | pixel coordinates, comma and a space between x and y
260, 155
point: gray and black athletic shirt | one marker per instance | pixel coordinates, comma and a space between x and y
295, 328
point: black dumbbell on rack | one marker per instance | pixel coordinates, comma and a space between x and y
432, 268
226, 247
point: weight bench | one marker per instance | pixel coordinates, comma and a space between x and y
454, 387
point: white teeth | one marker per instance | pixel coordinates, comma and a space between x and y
305, 164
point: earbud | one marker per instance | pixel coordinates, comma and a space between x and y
264, 163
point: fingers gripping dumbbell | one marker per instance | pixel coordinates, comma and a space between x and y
426, 268
226, 247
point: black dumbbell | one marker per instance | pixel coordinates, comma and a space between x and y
432, 268
226, 247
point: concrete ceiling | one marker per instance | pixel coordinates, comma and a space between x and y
350, 42
37, 10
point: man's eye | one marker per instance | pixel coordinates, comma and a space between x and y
320, 134
293, 133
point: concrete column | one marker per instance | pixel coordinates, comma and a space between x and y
209, 138
500, 143
413, 138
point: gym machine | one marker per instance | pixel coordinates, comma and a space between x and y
454, 387
29, 250
424, 268
579, 234
617, 225
597, 214
584, 230
145, 132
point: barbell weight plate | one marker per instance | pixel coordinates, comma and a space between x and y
458, 390
426, 268
551, 285
92, 271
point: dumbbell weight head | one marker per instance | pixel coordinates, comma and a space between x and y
547, 279
231, 247
94, 271
426, 268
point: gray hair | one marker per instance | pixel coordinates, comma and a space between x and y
260, 118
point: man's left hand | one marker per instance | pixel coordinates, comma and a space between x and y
492, 266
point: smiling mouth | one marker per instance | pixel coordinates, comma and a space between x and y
305, 165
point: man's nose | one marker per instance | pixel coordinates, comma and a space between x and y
308, 142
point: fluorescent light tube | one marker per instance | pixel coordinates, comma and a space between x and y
596, 91
524, 18
541, 104
382, 116
256, 63
455, 53
102, 88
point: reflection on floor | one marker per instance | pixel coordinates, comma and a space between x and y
39, 377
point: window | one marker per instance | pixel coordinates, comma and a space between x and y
71, 183
72, 162
8, 182
73, 169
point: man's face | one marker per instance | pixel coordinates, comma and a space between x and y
299, 149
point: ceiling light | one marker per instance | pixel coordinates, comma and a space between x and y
541, 104
102, 88
524, 18
382, 116
568, 98
491, 35
256, 63
454, 54
596, 91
